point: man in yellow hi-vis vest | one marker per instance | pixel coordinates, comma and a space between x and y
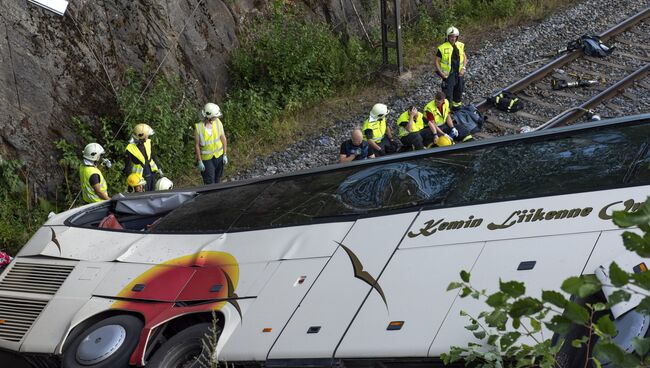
210, 144
93, 184
140, 158
451, 62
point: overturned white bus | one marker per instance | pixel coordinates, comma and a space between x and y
345, 265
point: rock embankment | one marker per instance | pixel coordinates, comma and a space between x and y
494, 63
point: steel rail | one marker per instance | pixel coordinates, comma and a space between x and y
576, 113
568, 57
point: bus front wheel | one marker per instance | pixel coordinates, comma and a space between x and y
107, 343
189, 348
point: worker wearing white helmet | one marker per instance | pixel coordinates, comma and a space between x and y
139, 157
451, 62
210, 144
93, 184
377, 132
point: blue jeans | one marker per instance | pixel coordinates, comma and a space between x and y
213, 170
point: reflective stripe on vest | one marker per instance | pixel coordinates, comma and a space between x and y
378, 129
138, 168
446, 49
418, 123
440, 119
211, 145
87, 191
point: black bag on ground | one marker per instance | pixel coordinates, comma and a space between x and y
593, 46
467, 120
506, 101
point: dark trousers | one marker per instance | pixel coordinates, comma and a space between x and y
412, 141
453, 87
213, 170
386, 147
427, 136
151, 181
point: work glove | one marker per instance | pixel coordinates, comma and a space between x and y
200, 166
225, 159
454, 133
160, 173
106, 162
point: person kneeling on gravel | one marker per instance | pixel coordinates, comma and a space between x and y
377, 132
355, 148
439, 117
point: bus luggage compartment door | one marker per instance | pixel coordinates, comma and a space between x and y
323, 316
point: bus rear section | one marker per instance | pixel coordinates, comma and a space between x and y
341, 265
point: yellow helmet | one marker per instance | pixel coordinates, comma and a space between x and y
135, 179
142, 131
444, 141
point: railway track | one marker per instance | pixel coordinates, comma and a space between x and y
621, 74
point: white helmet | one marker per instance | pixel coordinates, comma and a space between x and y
378, 112
93, 151
142, 131
211, 110
164, 184
453, 31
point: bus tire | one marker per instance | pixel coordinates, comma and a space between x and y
107, 343
185, 349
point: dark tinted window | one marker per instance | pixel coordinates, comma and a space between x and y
600, 158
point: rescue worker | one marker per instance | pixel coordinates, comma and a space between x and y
93, 184
210, 144
135, 183
139, 157
439, 117
451, 62
377, 132
355, 148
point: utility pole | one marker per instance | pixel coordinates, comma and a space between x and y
394, 22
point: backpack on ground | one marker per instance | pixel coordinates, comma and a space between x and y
593, 46
506, 101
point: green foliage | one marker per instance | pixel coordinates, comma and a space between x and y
501, 340
20, 213
286, 62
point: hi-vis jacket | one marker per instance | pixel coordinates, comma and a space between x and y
138, 166
88, 192
418, 123
446, 49
378, 129
211, 145
440, 118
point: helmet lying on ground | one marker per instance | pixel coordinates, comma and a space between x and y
164, 184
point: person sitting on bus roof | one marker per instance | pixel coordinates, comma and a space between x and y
377, 132
437, 112
355, 148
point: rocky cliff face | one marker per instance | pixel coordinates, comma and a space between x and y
54, 68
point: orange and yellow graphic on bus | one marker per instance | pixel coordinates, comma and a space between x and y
204, 276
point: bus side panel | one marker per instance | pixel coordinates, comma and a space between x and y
322, 318
270, 311
609, 247
556, 258
415, 283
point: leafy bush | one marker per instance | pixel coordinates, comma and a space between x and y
21, 213
513, 315
285, 62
